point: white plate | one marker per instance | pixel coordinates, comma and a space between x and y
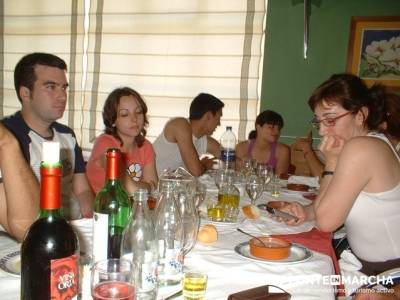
287, 191
11, 263
206, 220
221, 223
298, 253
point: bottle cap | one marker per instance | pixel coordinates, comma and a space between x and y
51, 152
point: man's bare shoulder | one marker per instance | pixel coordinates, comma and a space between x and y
177, 127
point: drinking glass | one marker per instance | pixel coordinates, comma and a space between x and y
194, 285
275, 186
222, 176
265, 172
254, 188
112, 279
248, 167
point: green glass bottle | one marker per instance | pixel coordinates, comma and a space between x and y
111, 211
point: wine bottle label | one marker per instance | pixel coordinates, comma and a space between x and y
100, 236
64, 278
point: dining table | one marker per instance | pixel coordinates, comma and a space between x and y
227, 262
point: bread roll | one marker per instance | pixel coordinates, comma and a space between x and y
207, 234
251, 211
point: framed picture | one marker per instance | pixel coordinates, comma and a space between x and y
374, 50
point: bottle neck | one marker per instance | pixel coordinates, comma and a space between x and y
113, 168
50, 189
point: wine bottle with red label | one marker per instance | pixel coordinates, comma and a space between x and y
50, 250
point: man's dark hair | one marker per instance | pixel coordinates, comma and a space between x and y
24, 72
203, 103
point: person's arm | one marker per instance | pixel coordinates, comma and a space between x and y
314, 163
283, 159
84, 194
213, 147
19, 192
365, 164
241, 154
149, 179
179, 131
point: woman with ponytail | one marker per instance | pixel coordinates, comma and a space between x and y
360, 185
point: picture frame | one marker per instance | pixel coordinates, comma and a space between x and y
374, 50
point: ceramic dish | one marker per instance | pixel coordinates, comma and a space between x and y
297, 254
310, 196
298, 187
271, 248
11, 263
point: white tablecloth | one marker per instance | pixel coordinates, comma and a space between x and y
227, 271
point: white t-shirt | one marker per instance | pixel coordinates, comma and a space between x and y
168, 155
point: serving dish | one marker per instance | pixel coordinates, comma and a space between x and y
297, 254
269, 248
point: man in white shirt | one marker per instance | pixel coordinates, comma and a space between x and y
183, 141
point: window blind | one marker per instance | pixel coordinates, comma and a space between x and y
169, 51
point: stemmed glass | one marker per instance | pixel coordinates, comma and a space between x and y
247, 167
221, 176
254, 187
266, 173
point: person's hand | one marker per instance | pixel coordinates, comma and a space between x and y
331, 146
295, 209
207, 162
303, 144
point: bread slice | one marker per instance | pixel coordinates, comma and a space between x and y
251, 211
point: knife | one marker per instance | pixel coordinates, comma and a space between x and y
277, 213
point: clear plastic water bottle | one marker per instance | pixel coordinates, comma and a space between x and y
169, 233
228, 144
139, 245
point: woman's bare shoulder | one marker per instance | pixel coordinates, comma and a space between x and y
241, 148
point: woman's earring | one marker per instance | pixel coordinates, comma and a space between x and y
113, 125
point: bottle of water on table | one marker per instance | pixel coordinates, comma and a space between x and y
228, 144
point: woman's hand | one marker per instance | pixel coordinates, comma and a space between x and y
331, 146
295, 209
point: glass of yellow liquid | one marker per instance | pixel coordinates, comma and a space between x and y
215, 212
275, 187
194, 285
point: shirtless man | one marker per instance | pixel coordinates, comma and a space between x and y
183, 141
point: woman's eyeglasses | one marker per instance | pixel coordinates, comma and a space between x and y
328, 122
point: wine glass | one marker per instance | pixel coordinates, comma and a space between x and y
247, 167
112, 279
222, 176
254, 187
265, 172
